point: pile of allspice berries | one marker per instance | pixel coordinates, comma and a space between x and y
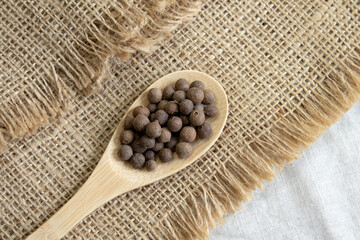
174, 118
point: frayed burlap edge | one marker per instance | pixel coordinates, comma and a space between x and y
85, 64
293, 133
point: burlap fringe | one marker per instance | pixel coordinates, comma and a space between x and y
85, 64
36, 106
293, 133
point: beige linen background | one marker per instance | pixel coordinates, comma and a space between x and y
290, 69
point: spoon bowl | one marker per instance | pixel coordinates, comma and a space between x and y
163, 170
113, 177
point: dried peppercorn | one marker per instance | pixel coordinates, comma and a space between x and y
125, 152
147, 142
138, 160
127, 137
168, 92
161, 116
137, 148
165, 155
149, 155
174, 124
171, 108
158, 146
152, 107
197, 117
153, 129
186, 107
197, 84
165, 135
196, 95
187, 134
211, 110
141, 110
162, 104
128, 122
152, 117
154, 95
151, 165
209, 97
179, 96
140, 122
172, 143
182, 85
199, 107
184, 149
185, 120
204, 131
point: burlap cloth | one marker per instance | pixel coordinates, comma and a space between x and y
290, 69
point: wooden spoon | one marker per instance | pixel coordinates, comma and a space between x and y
113, 177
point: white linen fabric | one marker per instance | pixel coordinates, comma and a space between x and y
315, 197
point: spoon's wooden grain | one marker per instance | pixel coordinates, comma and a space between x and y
113, 177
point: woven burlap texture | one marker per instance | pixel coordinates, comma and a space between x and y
52, 49
290, 69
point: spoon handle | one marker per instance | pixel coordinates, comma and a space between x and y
102, 186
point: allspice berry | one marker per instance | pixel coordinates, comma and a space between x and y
197, 118
185, 120
127, 137
140, 122
172, 143
147, 142
196, 95
138, 160
151, 165
179, 96
154, 95
199, 107
184, 149
128, 122
168, 92
186, 107
158, 146
211, 110
149, 155
209, 97
153, 129
137, 147
141, 110
165, 155
204, 131
165, 135
171, 108
125, 152
152, 107
152, 117
197, 84
187, 134
162, 104
174, 124
161, 116
182, 85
